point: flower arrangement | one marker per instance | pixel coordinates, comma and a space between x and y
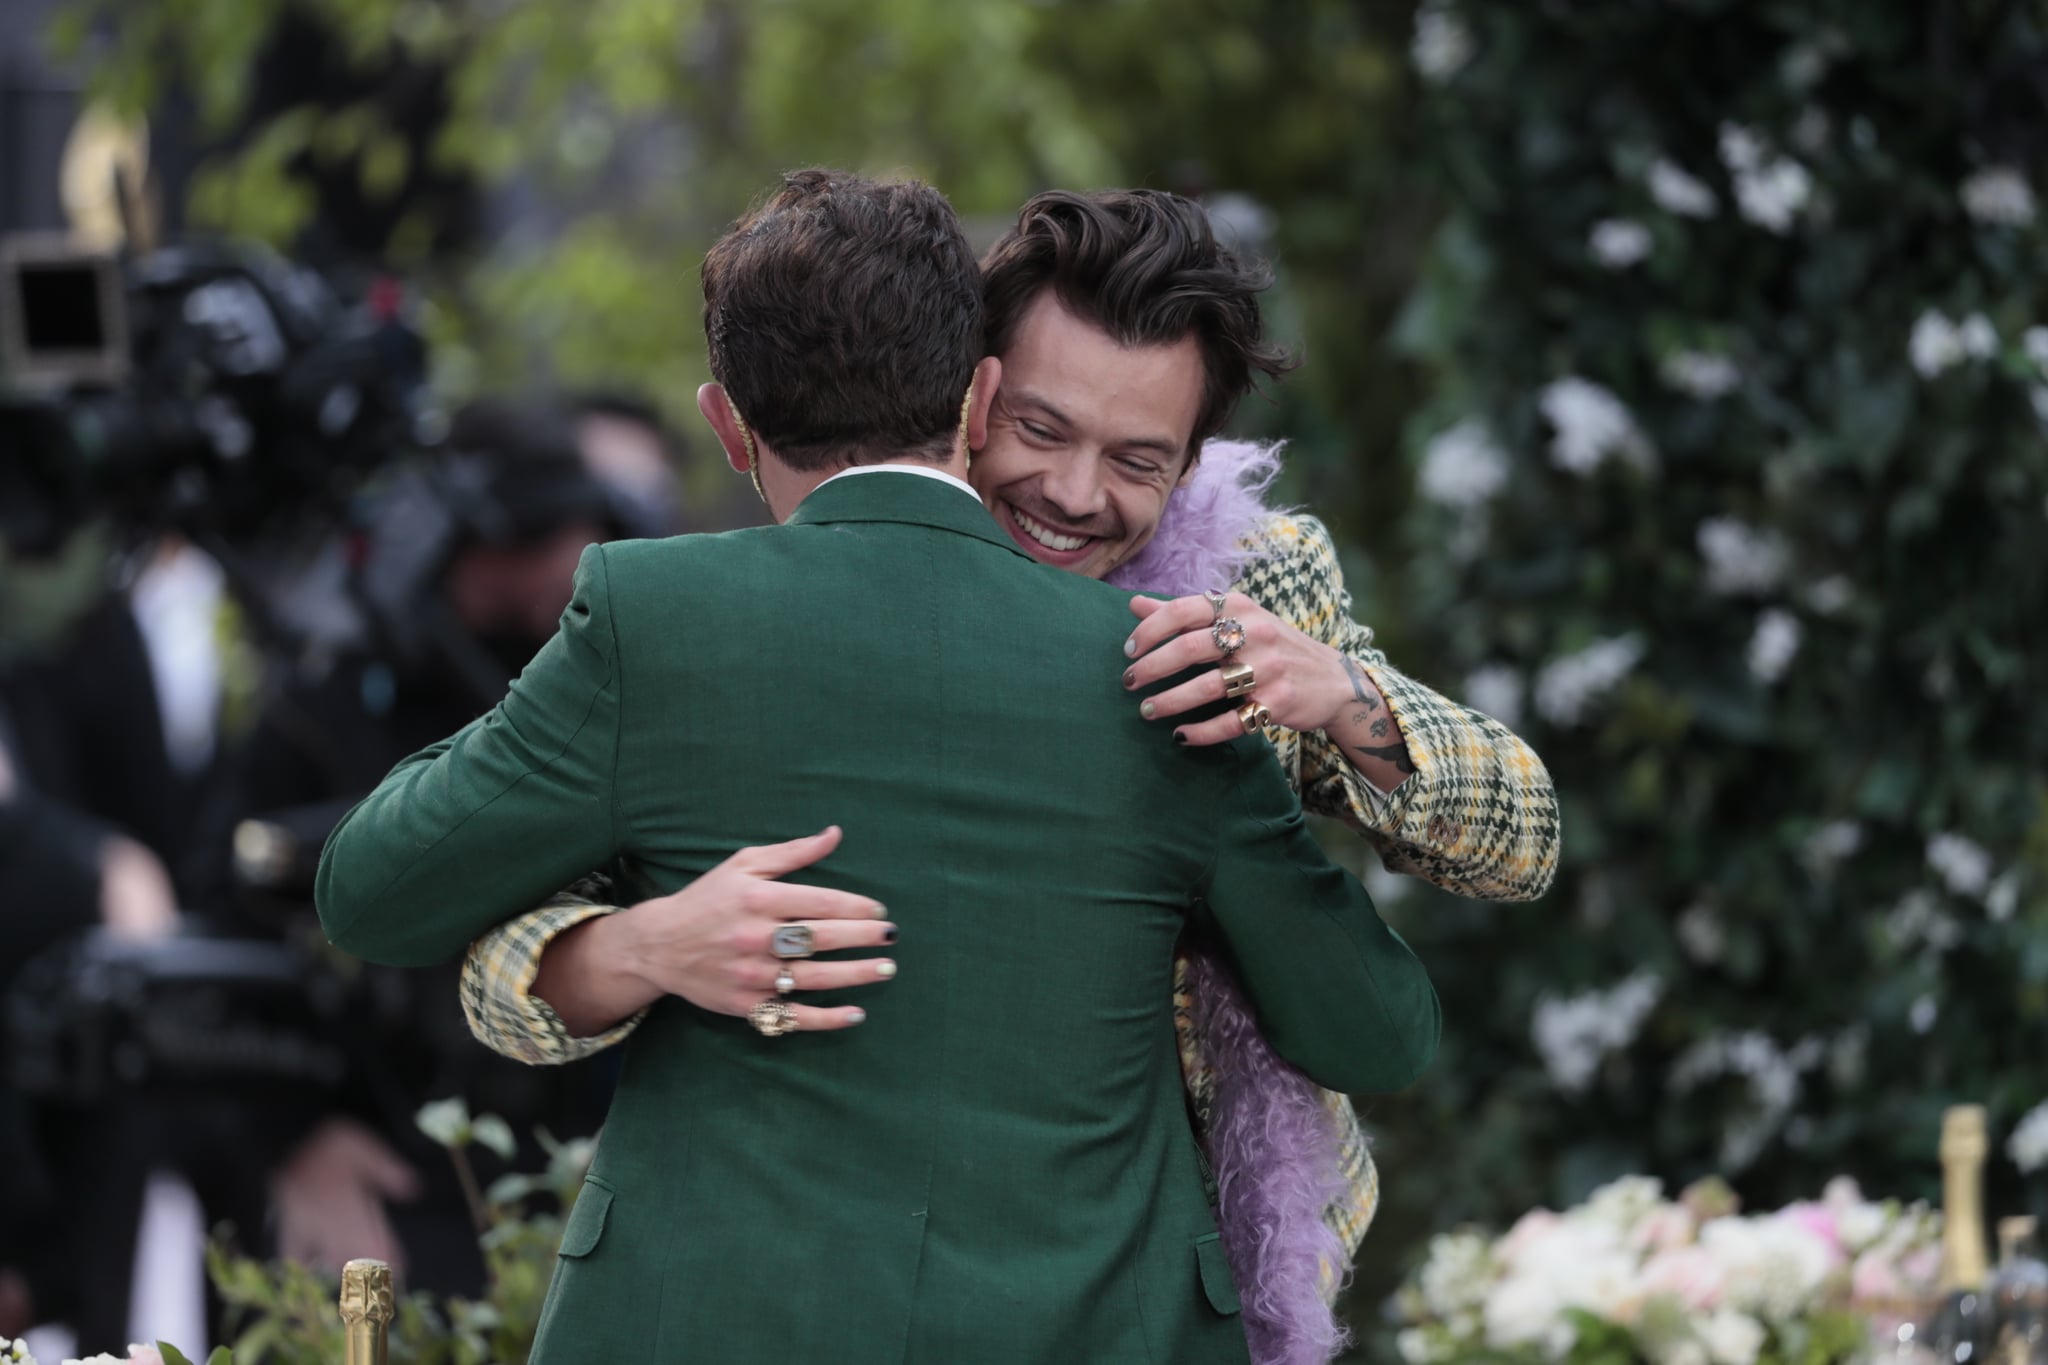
1632, 1276
16, 1353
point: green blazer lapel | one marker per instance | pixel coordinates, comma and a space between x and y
901, 497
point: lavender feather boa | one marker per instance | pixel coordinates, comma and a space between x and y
1271, 1142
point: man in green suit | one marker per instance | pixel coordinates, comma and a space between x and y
996, 1167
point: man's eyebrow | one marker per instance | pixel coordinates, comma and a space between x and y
1032, 399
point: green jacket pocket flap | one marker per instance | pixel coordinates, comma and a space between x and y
1216, 1279
586, 1220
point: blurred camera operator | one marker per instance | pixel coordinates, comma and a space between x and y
461, 589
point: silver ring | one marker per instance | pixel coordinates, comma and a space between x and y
1216, 601
1227, 635
793, 940
785, 981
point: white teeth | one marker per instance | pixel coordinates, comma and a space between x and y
1045, 535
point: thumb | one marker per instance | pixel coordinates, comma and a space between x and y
778, 860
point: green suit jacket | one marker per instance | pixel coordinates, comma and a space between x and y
997, 1166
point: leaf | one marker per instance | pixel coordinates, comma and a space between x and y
494, 1133
445, 1121
172, 1355
221, 1356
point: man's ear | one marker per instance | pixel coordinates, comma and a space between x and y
718, 412
988, 377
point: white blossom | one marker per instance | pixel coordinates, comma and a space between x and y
2038, 396
1977, 337
1935, 345
1457, 1274
1773, 1266
1591, 424
1770, 190
1741, 149
1496, 690
1741, 560
1699, 933
2028, 1145
2003, 898
1923, 1014
1704, 375
1462, 466
1998, 195
1830, 595
1677, 192
2035, 342
1415, 1346
1772, 645
1962, 864
1918, 919
1830, 844
1443, 41
1731, 1338
1575, 1034
1772, 1076
15, 1353
1619, 243
1568, 685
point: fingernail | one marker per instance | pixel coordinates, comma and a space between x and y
1180, 737
1130, 677
1131, 648
885, 968
858, 1016
881, 910
1146, 709
889, 934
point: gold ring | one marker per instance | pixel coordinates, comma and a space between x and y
772, 1018
1238, 678
1227, 635
1253, 715
1216, 601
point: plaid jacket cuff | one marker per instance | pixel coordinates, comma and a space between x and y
497, 984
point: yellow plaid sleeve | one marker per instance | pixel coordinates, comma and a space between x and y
1479, 815
497, 988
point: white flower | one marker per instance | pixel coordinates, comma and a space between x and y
1923, 1014
1574, 1035
1676, 192
1619, 243
2038, 396
2035, 342
2028, 1145
1830, 594
1918, 919
1625, 1202
1415, 1346
1935, 345
1998, 195
1591, 424
1567, 686
1769, 190
2003, 898
1443, 42
1977, 337
1742, 561
1741, 149
1579, 1263
1462, 466
1700, 374
1731, 1338
1962, 864
1830, 844
15, 1353
1496, 690
1458, 1274
101, 1359
1775, 1267
1699, 933
1773, 644
1772, 1075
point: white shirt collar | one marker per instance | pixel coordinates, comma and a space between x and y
922, 470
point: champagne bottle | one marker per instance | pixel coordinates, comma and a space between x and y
367, 1307
1961, 1328
2019, 1296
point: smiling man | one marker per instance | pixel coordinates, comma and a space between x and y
1127, 335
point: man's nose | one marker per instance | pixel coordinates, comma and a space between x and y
1075, 488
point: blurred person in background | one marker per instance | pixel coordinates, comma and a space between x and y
634, 452
1127, 335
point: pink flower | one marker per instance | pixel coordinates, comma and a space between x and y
1664, 1227
1689, 1274
144, 1355
1531, 1228
1818, 1221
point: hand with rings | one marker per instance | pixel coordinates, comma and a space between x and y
1272, 672
735, 941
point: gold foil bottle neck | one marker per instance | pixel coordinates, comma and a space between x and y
1962, 1133
367, 1307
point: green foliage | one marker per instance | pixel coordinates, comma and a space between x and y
287, 1313
1768, 846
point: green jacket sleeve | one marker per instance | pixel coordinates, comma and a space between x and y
1336, 991
491, 821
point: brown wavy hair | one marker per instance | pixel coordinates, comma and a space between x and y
1145, 267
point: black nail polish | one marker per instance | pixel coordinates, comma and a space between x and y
1180, 737
1130, 677
889, 934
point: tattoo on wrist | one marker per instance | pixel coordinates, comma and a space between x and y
1396, 754
1362, 690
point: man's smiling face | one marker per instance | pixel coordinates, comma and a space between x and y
1086, 439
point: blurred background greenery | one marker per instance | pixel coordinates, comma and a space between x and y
1675, 381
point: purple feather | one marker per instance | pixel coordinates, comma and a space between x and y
1271, 1142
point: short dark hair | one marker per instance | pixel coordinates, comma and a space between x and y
844, 319
1145, 266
